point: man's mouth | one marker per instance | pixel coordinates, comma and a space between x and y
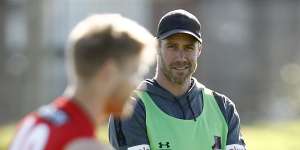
180, 68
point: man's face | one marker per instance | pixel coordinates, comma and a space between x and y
178, 57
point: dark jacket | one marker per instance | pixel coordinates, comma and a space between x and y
132, 131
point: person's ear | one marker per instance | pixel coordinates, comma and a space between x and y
200, 46
159, 47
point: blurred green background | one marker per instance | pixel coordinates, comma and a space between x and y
251, 54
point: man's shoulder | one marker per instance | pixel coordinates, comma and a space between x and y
48, 128
223, 100
220, 97
226, 105
61, 123
52, 116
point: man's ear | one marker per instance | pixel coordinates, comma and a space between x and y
159, 47
200, 46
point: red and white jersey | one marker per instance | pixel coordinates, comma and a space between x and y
53, 127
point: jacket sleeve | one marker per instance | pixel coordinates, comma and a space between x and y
130, 133
234, 137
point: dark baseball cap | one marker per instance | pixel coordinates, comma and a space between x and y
179, 21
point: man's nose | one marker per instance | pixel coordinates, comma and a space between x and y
180, 55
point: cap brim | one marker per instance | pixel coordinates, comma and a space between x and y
167, 34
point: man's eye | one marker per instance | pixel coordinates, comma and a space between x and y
190, 48
170, 46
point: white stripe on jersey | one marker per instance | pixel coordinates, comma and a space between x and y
22, 132
31, 137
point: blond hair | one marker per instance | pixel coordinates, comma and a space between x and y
108, 36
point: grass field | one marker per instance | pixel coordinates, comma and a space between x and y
272, 136
276, 136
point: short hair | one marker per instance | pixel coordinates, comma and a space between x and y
108, 36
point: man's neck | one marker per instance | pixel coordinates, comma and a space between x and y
85, 99
175, 89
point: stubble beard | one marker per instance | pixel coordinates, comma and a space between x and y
171, 75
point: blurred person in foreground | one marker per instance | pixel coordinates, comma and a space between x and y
173, 111
105, 56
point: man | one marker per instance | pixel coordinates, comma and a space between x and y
173, 111
104, 57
